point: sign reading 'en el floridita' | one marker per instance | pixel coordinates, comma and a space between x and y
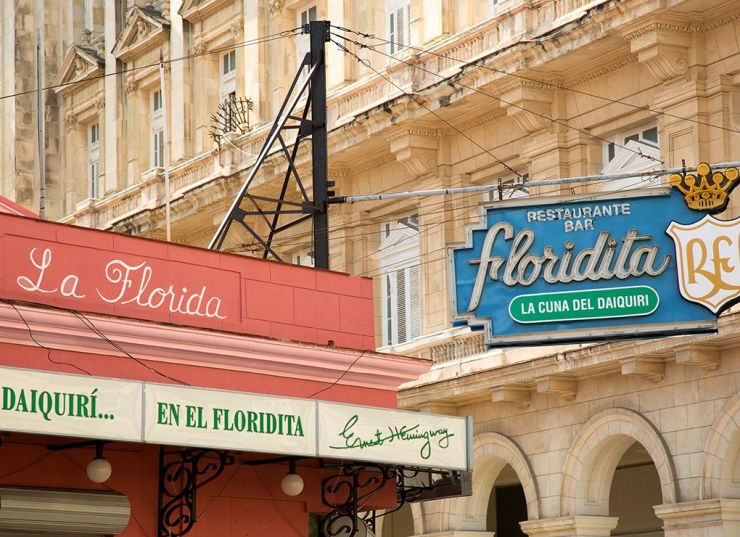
229, 420
606, 265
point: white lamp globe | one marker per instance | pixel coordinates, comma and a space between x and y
99, 470
292, 484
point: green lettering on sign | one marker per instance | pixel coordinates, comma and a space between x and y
584, 305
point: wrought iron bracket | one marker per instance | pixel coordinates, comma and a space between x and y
181, 474
348, 492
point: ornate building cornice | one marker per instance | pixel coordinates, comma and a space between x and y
81, 64
196, 10
688, 28
616, 66
144, 30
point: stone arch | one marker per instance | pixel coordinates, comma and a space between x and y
491, 453
595, 453
721, 464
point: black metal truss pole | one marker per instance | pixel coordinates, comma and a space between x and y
319, 32
306, 93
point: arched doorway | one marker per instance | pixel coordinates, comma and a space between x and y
507, 505
398, 524
499, 467
635, 489
596, 453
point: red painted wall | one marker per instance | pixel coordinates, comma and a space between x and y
244, 501
123, 367
85, 269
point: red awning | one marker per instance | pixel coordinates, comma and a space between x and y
10, 207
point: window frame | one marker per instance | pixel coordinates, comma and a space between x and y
399, 36
93, 159
399, 252
156, 130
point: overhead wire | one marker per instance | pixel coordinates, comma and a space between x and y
250, 42
444, 78
477, 63
382, 271
430, 110
47, 349
87, 322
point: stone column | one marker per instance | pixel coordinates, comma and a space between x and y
705, 518
114, 175
672, 51
570, 526
179, 94
531, 105
458, 533
254, 58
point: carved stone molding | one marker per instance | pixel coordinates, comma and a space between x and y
276, 6
99, 101
591, 75
651, 368
70, 120
145, 29
518, 394
131, 85
200, 47
682, 28
529, 105
417, 152
702, 356
564, 386
236, 28
664, 51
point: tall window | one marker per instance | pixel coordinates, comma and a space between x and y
304, 258
86, 15
227, 86
401, 285
93, 159
634, 150
157, 130
228, 75
399, 25
303, 41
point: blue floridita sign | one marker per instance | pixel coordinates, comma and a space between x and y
576, 269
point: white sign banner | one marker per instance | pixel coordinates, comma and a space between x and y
109, 409
70, 405
229, 420
353, 432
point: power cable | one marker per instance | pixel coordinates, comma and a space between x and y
250, 42
476, 90
477, 63
381, 271
87, 322
423, 105
47, 349
340, 377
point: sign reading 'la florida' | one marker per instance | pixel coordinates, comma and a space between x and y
575, 269
129, 285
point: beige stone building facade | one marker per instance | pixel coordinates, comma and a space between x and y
628, 438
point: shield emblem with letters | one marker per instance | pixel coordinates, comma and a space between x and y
708, 257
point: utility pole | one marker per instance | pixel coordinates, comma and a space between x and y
40, 127
319, 32
165, 150
306, 94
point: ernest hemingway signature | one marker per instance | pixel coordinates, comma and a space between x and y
404, 433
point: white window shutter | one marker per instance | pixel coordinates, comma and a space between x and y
401, 306
414, 302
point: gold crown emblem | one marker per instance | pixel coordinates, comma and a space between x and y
709, 191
